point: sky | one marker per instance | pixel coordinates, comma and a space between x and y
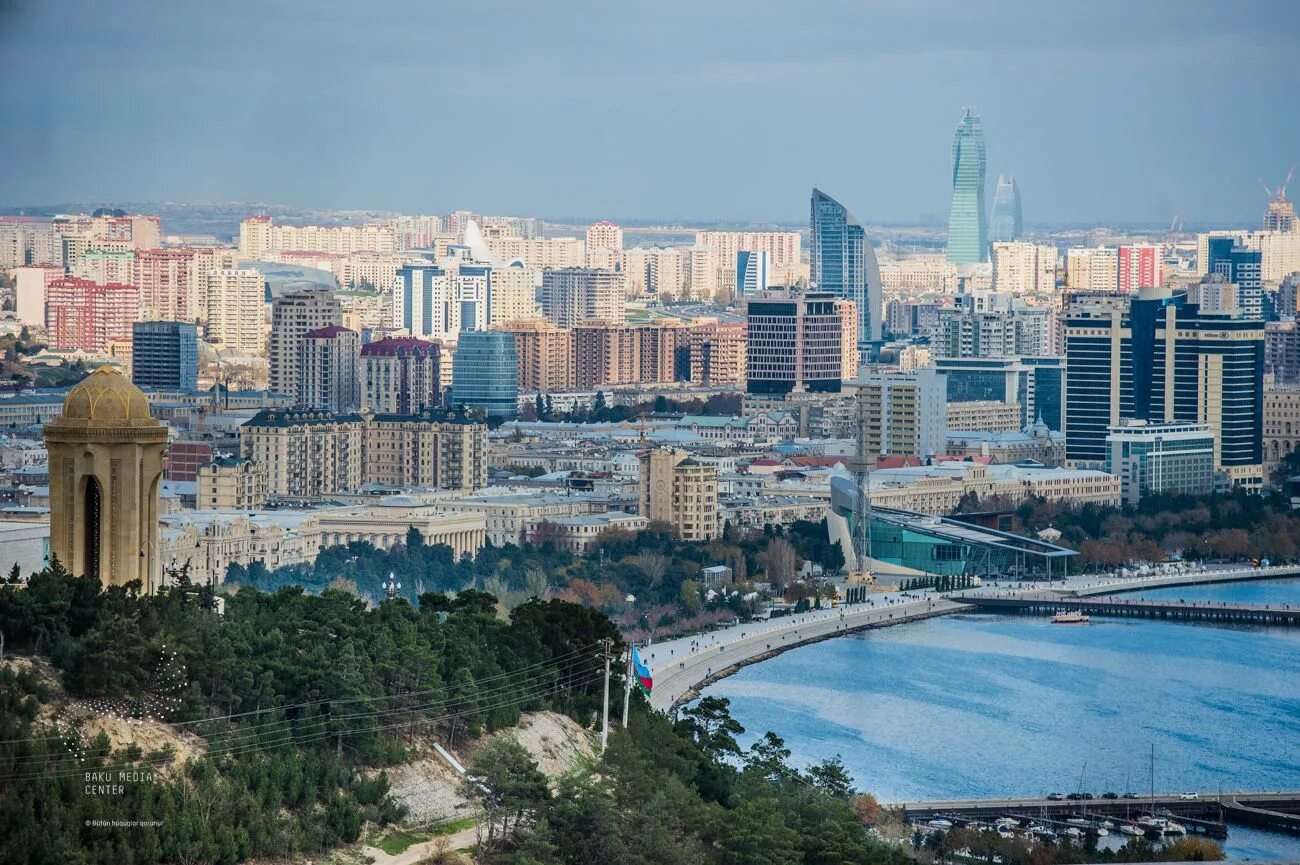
1106, 112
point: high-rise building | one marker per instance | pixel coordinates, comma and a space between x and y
1157, 358
1243, 268
236, 310
105, 463
681, 491
604, 235
795, 343
1021, 330
782, 247
751, 273
259, 237
967, 230
718, 353
165, 355
439, 301
1153, 458
545, 354
293, 316
31, 284
327, 369
1035, 383
1092, 269
665, 272
163, 278
1006, 223
82, 315
400, 375
843, 263
29, 242
574, 295
1282, 351
1024, 268
904, 413
606, 353
701, 272
485, 373
1140, 266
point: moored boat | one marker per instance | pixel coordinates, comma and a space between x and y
1071, 617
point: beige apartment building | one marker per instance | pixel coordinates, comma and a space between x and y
782, 247
314, 454
236, 304
545, 354
681, 491
987, 415
231, 483
1281, 423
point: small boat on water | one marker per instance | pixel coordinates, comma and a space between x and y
1169, 827
940, 823
1130, 829
1073, 832
1076, 821
1106, 824
1101, 831
1071, 617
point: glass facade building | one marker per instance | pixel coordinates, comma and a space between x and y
165, 355
968, 240
485, 373
842, 262
1036, 383
1007, 224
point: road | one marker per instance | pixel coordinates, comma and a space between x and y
679, 666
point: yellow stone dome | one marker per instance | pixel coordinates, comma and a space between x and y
107, 397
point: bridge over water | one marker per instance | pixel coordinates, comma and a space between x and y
1046, 604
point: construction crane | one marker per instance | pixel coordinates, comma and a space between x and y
1279, 194
1280, 215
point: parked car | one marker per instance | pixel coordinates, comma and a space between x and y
1055, 797
1189, 796
1109, 795
1130, 795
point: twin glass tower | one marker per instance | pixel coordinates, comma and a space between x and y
968, 239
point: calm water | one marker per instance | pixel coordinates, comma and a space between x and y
1253, 592
998, 706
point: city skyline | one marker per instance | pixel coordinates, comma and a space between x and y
1065, 65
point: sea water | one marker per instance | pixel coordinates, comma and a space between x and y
986, 706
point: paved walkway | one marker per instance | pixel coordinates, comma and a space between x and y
419, 852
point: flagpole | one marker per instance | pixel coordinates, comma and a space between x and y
627, 685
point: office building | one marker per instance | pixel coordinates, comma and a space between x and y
843, 263
327, 369
1154, 458
1214, 294
439, 301
1024, 268
236, 310
81, 315
1155, 357
485, 374
795, 343
576, 295
751, 273
1006, 224
1140, 266
400, 375
967, 230
1035, 383
682, 492
904, 413
1281, 422
293, 316
165, 355
1242, 267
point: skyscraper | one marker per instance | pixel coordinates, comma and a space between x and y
1243, 268
1006, 224
795, 344
165, 355
485, 373
967, 230
1155, 357
292, 316
843, 263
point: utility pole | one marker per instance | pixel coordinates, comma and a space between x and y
627, 681
606, 644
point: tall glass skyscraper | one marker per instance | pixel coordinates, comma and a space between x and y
1006, 224
843, 263
485, 373
967, 231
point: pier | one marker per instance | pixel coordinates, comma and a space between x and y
1043, 604
1207, 814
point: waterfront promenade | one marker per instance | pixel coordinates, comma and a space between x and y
684, 665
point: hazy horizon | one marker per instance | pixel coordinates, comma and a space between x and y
700, 112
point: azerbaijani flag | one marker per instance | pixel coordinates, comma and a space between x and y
643, 676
